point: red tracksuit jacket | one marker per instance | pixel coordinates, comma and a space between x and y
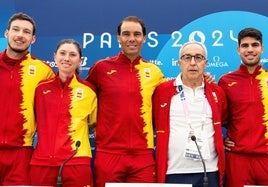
18, 80
62, 116
163, 94
125, 90
247, 95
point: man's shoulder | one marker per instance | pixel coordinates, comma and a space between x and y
32, 59
165, 86
230, 75
104, 61
214, 86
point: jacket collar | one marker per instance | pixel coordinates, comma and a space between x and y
256, 72
124, 59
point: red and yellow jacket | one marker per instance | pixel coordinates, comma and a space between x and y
161, 102
63, 112
18, 80
247, 95
125, 92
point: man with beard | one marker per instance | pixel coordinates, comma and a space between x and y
247, 128
124, 132
19, 75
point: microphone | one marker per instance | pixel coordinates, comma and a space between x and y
59, 181
205, 179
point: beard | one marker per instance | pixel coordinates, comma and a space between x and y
251, 64
16, 50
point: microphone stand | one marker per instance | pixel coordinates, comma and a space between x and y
205, 179
59, 180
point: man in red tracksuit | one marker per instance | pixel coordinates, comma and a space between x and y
188, 106
124, 132
19, 74
247, 128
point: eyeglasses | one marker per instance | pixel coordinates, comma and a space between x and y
197, 58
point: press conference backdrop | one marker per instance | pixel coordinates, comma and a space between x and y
170, 23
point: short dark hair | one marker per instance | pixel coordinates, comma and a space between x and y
22, 16
133, 19
249, 32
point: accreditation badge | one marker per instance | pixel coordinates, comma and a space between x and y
191, 151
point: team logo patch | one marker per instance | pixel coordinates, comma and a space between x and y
79, 93
46, 92
163, 105
266, 82
32, 70
147, 72
232, 84
111, 72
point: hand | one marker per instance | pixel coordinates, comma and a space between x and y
92, 127
209, 78
228, 144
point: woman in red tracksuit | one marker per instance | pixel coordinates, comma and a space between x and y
64, 106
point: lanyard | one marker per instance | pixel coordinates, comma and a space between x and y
186, 110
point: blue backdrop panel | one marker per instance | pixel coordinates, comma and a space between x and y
169, 23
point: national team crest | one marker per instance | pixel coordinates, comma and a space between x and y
32, 70
147, 72
79, 93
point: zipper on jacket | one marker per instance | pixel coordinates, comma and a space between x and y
131, 67
4, 140
133, 87
11, 74
62, 93
130, 85
53, 141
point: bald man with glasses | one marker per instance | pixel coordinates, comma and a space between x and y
185, 109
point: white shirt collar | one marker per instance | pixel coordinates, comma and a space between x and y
178, 81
